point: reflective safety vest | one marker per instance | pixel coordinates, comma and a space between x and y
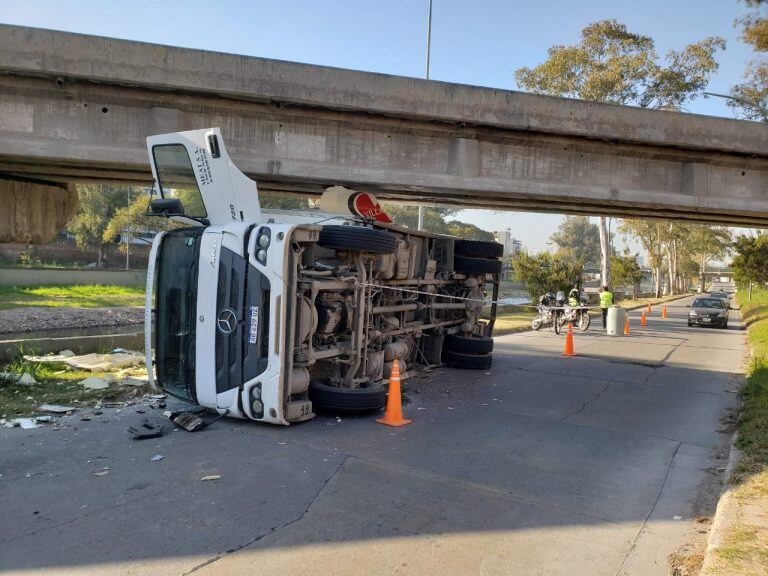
606, 299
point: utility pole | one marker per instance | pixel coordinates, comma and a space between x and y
420, 225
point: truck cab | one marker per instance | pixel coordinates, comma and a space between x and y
268, 315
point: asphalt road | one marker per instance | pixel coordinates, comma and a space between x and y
602, 464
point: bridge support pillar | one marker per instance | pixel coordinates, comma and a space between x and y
34, 212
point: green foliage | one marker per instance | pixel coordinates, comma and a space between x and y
435, 220
545, 272
612, 64
97, 205
133, 218
753, 421
750, 264
750, 98
578, 239
625, 271
284, 201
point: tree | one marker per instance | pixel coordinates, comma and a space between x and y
545, 272
708, 243
625, 271
750, 98
649, 234
96, 206
435, 220
612, 64
750, 264
578, 239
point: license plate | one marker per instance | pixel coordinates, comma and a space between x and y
706, 319
253, 332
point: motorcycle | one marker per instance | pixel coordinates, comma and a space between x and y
576, 315
546, 315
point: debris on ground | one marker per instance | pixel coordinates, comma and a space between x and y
55, 408
190, 422
146, 429
157, 458
26, 378
102, 472
211, 477
94, 362
26, 423
94, 383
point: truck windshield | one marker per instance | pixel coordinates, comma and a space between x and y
176, 178
176, 311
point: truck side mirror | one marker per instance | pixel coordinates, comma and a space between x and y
167, 207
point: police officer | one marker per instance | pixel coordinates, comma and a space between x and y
606, 301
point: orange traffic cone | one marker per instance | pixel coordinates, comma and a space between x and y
626, 326
569, 342
649, 308
643, 320
393, 415
664, 312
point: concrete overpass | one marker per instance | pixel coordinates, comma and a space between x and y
77, 108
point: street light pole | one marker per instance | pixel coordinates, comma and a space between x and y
420, 225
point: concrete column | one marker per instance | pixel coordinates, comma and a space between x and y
34, 212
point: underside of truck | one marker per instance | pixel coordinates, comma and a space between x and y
367, 296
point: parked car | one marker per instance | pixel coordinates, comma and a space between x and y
709, 311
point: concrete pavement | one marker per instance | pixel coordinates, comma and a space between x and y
599, 464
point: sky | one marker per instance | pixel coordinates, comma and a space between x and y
481, 42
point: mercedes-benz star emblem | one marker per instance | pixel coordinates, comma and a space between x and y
226, 321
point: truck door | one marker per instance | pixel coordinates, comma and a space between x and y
194, 167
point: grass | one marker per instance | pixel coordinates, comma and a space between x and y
753, 421
79, 296
745, 547
56, 384
511, 319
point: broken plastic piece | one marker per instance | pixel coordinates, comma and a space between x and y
146, 429
190, 422
54, 408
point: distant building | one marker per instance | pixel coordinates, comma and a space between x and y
511, 245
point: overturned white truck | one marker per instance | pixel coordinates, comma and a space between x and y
272, 315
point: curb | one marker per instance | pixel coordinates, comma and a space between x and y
720, 521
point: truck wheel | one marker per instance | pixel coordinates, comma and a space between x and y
469, 344
476, 265
478, 248
358, 238
330, 399
468, 361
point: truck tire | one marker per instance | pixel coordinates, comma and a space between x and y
468, 344
476, 265
468, 361
358, 238
478, 248
330, 399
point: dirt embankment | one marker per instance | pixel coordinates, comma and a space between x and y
32, 319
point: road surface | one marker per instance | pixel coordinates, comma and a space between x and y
602, 464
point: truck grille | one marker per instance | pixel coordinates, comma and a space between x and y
229, 295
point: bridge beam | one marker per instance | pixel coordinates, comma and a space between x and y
77, 108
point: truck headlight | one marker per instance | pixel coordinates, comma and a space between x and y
263, 240
261, 254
